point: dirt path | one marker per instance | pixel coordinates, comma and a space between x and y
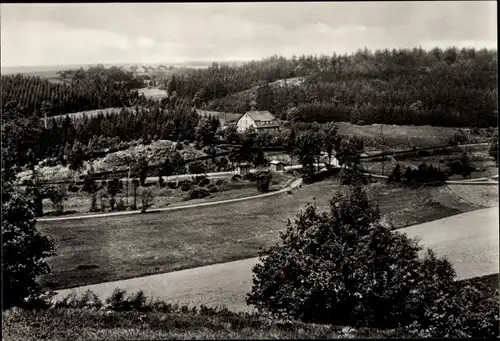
468, 240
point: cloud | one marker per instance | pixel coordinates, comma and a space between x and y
145, 42
156, 32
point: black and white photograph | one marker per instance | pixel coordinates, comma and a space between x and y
249, 170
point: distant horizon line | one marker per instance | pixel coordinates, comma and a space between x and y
189, 62
205, 62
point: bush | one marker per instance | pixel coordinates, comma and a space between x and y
352, 176
57, 195
343, 267
73, 188
102, 195
201, 180
236, 178
423, 153
396, 174
24, 250
146, 198
185, 185
172, 184
199, 193
165, 193
263, 180
120, 206
460, 137
179, 146
220, 182
423, 174
213, 188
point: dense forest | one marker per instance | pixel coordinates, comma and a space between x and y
95, 88
451, 87
444, 88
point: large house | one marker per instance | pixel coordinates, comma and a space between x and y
260, 120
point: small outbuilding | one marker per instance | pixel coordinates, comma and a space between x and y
242, 169
277, 166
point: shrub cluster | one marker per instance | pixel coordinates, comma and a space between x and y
263, 180
199, 193
424, 174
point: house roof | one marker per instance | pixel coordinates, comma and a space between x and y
276, 162
263, 115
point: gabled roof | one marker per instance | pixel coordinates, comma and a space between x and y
276, 162
263, 115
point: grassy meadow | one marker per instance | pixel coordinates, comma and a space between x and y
105, 249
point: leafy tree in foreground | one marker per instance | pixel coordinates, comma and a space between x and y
24, 250
343, 267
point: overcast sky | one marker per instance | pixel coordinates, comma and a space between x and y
51, 34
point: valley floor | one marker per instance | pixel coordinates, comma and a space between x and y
97, 250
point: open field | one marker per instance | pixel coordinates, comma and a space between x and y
402, 137
478, 156
153, 93
112, 248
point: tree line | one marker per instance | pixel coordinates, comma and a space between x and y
79, 90
442, 88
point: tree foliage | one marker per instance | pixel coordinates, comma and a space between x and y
263, 180
24, 249
343, 267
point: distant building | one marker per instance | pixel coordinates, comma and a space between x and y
260, 120
334, 163
242, 169
277, 166
225, 118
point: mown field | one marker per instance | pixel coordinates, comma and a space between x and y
105, 249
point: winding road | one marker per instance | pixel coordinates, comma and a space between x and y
469, 240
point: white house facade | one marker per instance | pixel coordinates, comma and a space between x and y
259, 120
